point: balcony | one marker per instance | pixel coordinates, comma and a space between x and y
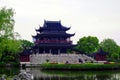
53, 41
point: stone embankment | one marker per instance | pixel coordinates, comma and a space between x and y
60, 58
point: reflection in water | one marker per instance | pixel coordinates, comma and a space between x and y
62, 75
8, 72
73, 75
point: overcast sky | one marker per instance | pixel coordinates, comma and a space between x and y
100, 18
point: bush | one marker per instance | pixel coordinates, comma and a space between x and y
8, 58
80, 66
2, 64
15, 64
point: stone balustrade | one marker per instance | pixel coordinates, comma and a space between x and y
59, 58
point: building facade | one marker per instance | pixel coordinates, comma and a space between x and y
52, 38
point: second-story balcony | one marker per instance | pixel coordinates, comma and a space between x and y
53, 41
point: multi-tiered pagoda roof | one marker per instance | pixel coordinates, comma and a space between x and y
52, 28
52, 36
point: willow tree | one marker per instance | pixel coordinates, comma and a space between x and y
6, 23
9, 45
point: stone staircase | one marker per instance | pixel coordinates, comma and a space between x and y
60, 58
88, 58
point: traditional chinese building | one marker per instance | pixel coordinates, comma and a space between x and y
100, 55
52, 38
51, 43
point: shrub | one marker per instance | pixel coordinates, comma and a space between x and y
2, 64
80, 66
8, 58
15, 64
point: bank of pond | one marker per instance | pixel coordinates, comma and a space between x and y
9, 64
39, 74
67, 66
83, 66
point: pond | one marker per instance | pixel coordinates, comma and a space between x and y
61, 75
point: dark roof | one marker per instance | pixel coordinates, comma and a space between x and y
52, 25
26, 52
53, 34
101, 52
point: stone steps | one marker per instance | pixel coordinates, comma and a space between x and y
61, 58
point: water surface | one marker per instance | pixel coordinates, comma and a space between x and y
62, 75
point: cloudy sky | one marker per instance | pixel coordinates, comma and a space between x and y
100, 18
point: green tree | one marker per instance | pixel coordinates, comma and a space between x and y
114, 56
11, 48
110, 46
6, 23
88, 44
9, 45
26, 44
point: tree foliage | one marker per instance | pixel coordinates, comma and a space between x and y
26, 44
6, 23
88, 44
110, 46
9, 45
